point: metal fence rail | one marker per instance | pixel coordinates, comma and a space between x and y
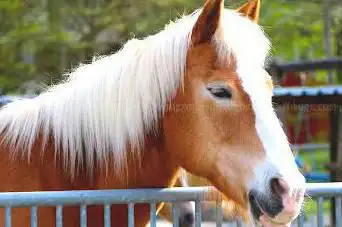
84, 198
320, 192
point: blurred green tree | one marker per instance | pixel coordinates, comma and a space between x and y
41, 39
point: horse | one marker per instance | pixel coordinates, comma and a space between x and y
194, 95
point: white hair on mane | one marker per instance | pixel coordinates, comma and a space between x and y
105, 105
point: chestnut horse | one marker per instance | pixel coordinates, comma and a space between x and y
193, 96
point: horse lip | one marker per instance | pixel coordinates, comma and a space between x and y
260, 207
256, 208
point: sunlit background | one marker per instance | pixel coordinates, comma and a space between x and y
42, 39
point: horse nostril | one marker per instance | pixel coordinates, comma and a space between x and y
279, 187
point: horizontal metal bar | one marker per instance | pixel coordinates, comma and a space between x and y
318, 64
310, 146
324, 189
92, 197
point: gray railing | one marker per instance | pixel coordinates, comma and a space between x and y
320, 192
85, 198
58, 199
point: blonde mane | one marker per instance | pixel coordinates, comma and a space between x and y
103, 106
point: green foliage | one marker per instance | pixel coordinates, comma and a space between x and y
43, 38
294, 26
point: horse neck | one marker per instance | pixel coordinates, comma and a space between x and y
150, 167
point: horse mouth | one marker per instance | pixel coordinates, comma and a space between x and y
263, 206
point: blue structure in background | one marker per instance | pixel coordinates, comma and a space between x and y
313, 176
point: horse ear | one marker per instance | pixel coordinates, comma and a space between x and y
207, 22
251, 9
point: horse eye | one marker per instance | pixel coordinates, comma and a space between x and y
220, 91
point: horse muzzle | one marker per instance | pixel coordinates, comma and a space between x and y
282, 205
